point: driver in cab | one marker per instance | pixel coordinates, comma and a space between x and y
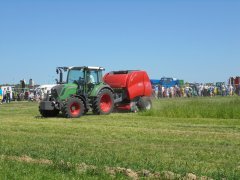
90, 78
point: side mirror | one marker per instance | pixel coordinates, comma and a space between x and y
57, 71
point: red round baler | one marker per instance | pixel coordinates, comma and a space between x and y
132, 89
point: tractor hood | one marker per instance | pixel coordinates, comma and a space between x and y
56, 90
63, 91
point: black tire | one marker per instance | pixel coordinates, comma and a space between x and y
73, 108
144, 103
103, 104
49, 113
85, 111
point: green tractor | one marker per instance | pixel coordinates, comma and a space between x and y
82, 91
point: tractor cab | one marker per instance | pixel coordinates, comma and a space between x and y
85, 74
82, 74
85, 77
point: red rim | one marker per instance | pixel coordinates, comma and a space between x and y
75, 108
105, 103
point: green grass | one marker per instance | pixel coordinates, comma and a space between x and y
199, 136
224, 108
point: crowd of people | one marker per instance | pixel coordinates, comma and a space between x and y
190, 90
7, 95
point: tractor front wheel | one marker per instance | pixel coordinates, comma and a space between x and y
73, 108
103, 103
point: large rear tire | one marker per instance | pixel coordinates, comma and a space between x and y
73, 108
144, 103
49, 113
103, 104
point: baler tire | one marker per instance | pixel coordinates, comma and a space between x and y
103, 104
73, 108
49, 113
144, 103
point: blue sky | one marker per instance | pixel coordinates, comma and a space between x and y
198, 41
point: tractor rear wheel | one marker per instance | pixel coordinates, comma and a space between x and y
49, 113
144, 103
73, 108
103, 104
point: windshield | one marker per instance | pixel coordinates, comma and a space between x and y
74, 75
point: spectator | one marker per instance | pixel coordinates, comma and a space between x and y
4, 95
1, 95
163, 91
172, 92
167, 92
200, 90
215, 90
223, 90
160, 93
178, 91
156, 91
239, 89
8, 95
231, 89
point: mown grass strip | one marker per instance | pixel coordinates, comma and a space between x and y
82, 168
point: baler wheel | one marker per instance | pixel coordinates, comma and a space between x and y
103, 103
144, 103
73, 108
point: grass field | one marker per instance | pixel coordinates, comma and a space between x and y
200, 136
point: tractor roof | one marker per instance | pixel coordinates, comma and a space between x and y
87, 67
